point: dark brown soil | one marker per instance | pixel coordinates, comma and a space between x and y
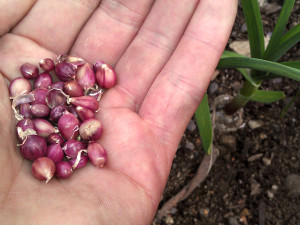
237, 188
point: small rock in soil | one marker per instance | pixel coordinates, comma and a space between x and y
255, 187
229, 141
292, 182
233, 221
270, 194
244, 28
236, 85
204, 212
267, 161
262, 2
213, 87
173, 210
271, 8
189, 145
274, 188
297, 53
276, 80
253, 124
169, 220
241, 47
245, 212
262, 136
293, 158
191, 126
261, 212
255, 157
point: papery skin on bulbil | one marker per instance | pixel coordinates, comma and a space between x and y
29, 71
47, 64
97, 154
57, 85
85, 76
65, 71
55, 138
84, 114
73, 89
68, 126
106, 76
63, 170
33, 147
40, 96
19, 86
87, 102
43, 80
90, 129
57, 112
55, 97
72, 147
43, 127
25, 110
24, 128
43, 168
83, 160
40, 110
55, 152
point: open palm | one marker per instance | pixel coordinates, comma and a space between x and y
164, 53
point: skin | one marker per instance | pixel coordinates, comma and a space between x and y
164, 53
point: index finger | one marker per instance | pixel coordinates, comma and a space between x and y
180, 86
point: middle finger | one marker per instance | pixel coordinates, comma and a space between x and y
149, 51
111, 29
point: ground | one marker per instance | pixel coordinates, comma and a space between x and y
249, 179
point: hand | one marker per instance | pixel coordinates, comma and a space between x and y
164, 53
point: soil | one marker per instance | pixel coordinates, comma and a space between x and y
247, 184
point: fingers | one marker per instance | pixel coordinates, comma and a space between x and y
150, 50
179, 87
15, 51
9, 162
55, 24
10, 15
110, 30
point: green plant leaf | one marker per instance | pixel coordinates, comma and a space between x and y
254, 27
291, 38
283, 112
259, 64
203, 120
265, 96
227, 54
244, 72
247, 76
294, 64
279, 27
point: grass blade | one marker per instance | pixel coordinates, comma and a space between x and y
265, 96
203, 120
259, 64
247, 76
289, 104
294, 64
291, 38
279, 27
227, 54
254, 26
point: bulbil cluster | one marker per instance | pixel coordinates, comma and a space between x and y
55, 109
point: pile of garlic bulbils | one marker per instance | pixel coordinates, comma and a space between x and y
56, 127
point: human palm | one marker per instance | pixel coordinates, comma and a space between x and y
164, 53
